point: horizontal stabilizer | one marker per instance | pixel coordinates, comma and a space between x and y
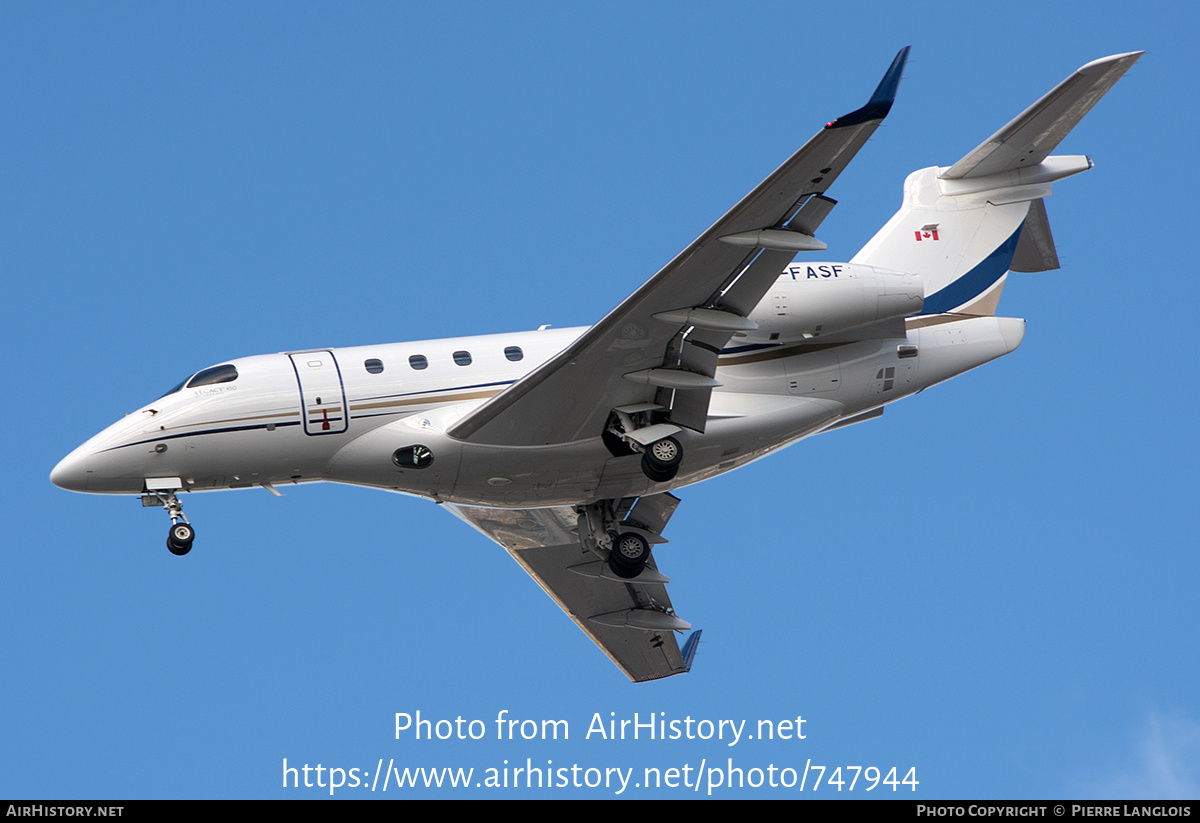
1029, 139
1035, 250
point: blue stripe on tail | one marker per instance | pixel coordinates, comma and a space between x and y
976, 281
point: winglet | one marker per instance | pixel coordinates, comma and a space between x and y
689, 649
881, 101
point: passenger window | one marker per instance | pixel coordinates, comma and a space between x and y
514, 353
217, 374
462, 358
418, 362
374, 365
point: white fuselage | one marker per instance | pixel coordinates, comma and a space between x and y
341, 414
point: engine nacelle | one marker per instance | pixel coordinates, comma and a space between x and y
811, 300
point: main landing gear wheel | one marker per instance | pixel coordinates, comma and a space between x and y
179, 538
629, 554
661, 459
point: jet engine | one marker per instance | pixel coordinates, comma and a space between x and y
812, 300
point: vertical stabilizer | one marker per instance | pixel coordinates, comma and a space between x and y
961, 245
961, 227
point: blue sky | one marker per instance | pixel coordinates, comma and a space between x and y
993, 584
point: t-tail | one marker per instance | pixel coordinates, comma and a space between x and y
963, 228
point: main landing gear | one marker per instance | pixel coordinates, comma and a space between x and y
632, 430
181, 534
623, 543
660, 460
629, 554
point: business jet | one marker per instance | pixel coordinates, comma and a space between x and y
565, 445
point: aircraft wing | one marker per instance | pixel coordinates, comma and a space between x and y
660, 345
630, 620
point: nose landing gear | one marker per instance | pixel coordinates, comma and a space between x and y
181, 534
180, 537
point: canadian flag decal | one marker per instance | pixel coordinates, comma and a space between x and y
927, 232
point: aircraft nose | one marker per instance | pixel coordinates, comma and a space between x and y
70, 473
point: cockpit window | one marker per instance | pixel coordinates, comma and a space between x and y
217, 374
176, 388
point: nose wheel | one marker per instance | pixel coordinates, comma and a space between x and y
180, 537
181, 534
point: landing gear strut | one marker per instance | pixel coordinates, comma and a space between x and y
181, 534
